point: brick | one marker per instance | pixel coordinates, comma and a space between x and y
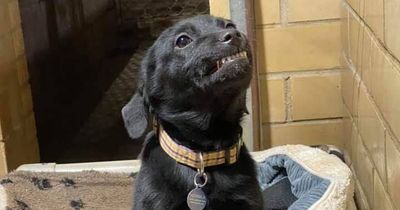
365, 171
308, 10
393, 169
372, 132
374, 16
391, 98
220, 8
381, 198
316, 97
272, 100
267, 11
392, 26
296, 48
308, 133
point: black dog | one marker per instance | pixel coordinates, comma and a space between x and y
193, 80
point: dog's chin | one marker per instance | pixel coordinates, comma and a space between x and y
234, 73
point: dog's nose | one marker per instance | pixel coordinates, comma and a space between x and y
231, 37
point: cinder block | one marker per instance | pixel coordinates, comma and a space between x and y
393, 169
354, 36
267, 11
296, 48
381, 198
220, 8
365, 172
376, 74
365, 69
392, 26
308, 133
347, 85
391, 98
372, 132
345, 21
272, 100
361, 199
355, 4
347, 135
374, 16
316, 97
308, 10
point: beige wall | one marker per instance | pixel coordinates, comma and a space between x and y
18, 142
299, 67
371, 94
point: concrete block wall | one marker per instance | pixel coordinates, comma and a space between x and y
299, 71
18, 141
371, 94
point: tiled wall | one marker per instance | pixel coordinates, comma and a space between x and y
371, 94
298, 61
18, 142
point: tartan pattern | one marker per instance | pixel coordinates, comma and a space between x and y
191, 158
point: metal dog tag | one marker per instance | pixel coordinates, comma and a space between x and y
196, 199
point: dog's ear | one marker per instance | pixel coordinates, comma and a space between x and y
135, 116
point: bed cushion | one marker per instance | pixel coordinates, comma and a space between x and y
318, 180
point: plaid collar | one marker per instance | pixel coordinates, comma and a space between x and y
192, 158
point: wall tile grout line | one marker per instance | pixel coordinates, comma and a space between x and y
305, 73
307, 121
297, 23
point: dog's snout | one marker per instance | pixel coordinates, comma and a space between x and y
231, 37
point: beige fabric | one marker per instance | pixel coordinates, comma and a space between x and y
58, 191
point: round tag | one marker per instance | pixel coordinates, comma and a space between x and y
196, 199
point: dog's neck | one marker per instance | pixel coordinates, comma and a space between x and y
207, 129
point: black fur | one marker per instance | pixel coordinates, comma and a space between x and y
199, 108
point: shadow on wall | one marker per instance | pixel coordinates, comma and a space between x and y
73, 52
83, 56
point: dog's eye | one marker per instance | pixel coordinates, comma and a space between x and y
230, 26
183, 40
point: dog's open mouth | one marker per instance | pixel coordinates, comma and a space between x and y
223, 61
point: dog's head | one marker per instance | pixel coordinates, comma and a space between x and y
195, 73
